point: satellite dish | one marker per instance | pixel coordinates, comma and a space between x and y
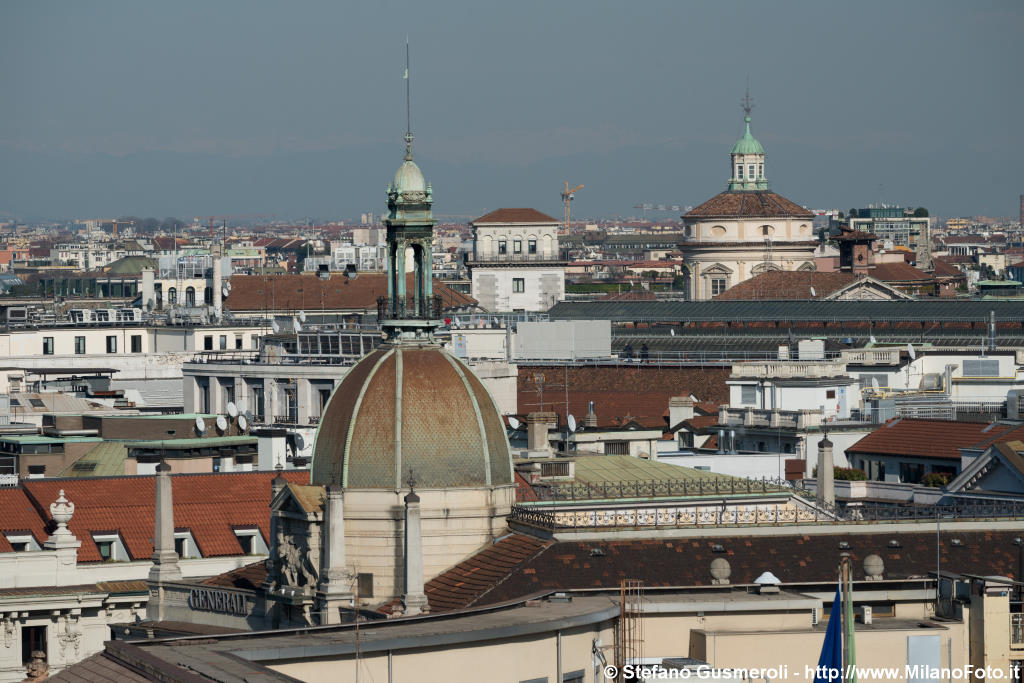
350, 271
274, 326
874, 382
302, 316
672, 331
910, 350
232, 409
150, 305
296, 326
873, 340
222, 423
243, 424
227, 285
513, 422
248, 416
225, 291
813, 292
300, 443
572, 423
200, 426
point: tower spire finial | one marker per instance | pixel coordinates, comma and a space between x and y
748, 101
408, 105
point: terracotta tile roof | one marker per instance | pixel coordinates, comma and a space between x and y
468, 581
250, 577
855, 235
776, 285
515, 216
485, 579
524, 492
753, 204
942, 267
1000, 433
921, 438
898, 272
210, 505
309, 292
638, 392
19, 514
702, 424
98, 667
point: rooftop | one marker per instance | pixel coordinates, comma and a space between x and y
514, 216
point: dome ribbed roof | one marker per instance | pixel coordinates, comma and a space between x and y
747, 144
412, 407
409, 178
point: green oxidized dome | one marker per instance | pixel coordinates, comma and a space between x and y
747, 144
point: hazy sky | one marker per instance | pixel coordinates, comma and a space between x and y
298, 108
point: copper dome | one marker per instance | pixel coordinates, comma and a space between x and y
411, 408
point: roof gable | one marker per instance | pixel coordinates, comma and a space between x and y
515, 216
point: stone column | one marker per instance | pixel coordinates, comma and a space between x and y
165, 559
334, 590
414, 599
826, 490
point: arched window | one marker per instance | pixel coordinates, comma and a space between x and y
208, 296
190, 297
172, 295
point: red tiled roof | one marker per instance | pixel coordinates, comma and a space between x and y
484, 580
210, 505
942, 267
749, 204
855, 235
897, 272
310, 292
19, 514
775, 285
515, 216
250, 577
524, 492
639, 392
1000, 433
921, 438
469, 580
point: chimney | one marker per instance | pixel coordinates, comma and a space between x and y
826, 490
414, 600
537, 426
591, 419
165, 559
218, 283
148, 288
679, 408
333, 591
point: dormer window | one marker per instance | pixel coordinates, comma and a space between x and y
110, 547
251, 541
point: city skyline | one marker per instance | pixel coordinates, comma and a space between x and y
119, 109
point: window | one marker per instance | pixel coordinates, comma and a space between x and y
502, 247
36, 403
911, 473
106, 549
739, 171
760, 170
766, 229
830, 393
518, 284
748, 394
190, 297
717, 286
32, 638
136, 343
531, 246
750, 171
616, 448
517, 246
223, 342
80, 345
246, 543
47, 346
172, 295
111, 344
208, 343
179, 546
573, 676
238, 341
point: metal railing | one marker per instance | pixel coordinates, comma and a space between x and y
8, 481
705, 486
695, 515
407, 308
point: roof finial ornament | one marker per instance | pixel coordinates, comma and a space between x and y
748, 102
408, 106
411, 481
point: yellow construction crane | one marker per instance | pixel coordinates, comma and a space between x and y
567, 196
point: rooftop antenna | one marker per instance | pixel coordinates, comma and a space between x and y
747, 102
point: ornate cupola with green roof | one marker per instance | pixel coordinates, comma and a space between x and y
410, 226
747, 157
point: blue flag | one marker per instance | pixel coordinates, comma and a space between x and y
830, 663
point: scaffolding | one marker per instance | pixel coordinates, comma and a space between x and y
630, 634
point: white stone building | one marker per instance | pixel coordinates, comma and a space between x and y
516, 264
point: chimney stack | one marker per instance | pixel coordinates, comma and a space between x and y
679, 408
591, 418
537, 426
826, 490
165, 558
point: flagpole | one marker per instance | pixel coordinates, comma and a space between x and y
849, 646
